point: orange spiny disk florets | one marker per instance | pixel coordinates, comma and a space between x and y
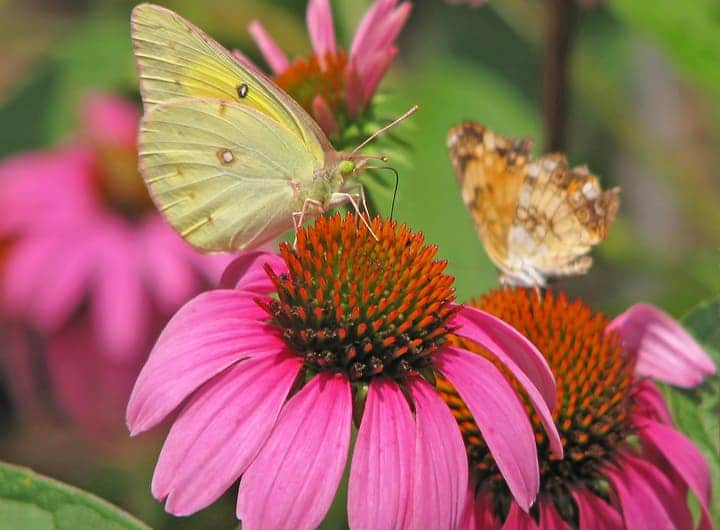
594, 384
307, 78
363, 306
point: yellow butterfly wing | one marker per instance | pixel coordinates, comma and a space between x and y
225, 175
175, 59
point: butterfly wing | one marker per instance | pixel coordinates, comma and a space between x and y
175, 59
490, 171
562, 213
536, 218
225, 175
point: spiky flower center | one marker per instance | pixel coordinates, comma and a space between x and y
361, 306
595, 393
307, 78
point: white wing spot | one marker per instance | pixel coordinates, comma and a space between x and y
226, 156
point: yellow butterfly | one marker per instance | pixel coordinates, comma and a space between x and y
537, 218
230, 159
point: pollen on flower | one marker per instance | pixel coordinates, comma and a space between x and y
364, 307
308, 78
594, 385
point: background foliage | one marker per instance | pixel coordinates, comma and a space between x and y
644, 111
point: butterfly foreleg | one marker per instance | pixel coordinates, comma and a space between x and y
355, 199
298, 218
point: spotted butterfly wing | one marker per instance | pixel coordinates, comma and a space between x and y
227, 156
537, 218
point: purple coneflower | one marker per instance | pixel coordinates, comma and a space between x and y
336, 87
270, 373
625, 467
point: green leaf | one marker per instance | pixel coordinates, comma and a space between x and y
29, 501
696, 410
688, 32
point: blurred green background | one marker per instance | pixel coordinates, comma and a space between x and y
643, 113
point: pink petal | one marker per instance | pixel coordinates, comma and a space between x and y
505, 342
364, 33
47, 297
247, 272
485, 518
245, 61
550, 518
636, 486
354, 99
171, 279
595, 513
685, 459
109, 119
380, 489
441, 464
649, 397
272, 53
382, 36
517, 519
292, 481
500, 416
665, 351
323, 115
119, 301
468, 519
523, 360
220, 430
25, 385
374, 71
321, 29
88, 387
211, 332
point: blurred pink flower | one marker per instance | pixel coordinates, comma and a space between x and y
81, 237
626, 466
270, 372
333, 87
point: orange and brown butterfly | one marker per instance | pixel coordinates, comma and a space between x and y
537, 217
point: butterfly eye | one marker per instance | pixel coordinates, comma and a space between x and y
346, 167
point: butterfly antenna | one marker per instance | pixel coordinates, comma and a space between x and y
397, 182
390, 125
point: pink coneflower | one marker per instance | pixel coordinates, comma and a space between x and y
625, 466
87, 261
80, 229
269, 377
335, 87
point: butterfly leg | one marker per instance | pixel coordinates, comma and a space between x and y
339, 198
299, 217
358, 189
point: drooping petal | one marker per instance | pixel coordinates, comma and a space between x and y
440, 479
245, 61
324, 116
220, 430
504, 341
649, 397
517, 519
523, 360
638, 495
46, 297
595, 513
550, 518
685, 459
375, 70
321, 28
468, 519
354, 100
208, 334
380, 489
482, 516
292, 481
382, 35
665, 351
500, 416
247, 272
272, 53
119, 300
